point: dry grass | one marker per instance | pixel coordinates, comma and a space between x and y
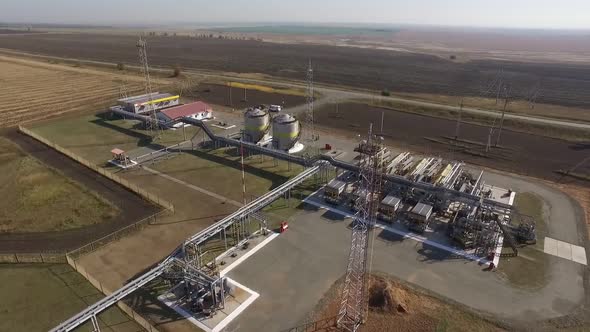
580, 195
36, 198
572, 134
34, 90
394, 306
515, 106
268, 89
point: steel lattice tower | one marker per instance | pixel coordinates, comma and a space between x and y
309, 129
353, 304
152, 125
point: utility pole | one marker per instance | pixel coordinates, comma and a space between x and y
488, 145
458, 126
382, 117
506, 100
230, 101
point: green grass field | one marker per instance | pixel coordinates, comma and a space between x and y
94, 136
37, 198
41, 296
530, 268
220, 172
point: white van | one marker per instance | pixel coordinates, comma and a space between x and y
275, 108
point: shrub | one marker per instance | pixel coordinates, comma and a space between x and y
120, 66
385, 93
176, 71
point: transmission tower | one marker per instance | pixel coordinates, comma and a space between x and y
506, 101
123, 90
309, 116
354, 299
152, 125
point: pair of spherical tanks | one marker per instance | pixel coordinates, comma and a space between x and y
285, 128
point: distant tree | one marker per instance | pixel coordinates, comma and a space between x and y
120, 66
210, 35
165, 34
453, 57
174, 34
385, 93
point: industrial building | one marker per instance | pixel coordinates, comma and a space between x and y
388, 207
148, 102
333, 191
419, 217
196, 110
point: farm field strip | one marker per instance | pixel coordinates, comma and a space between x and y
64, 101
61, 100
40, 115
36, 90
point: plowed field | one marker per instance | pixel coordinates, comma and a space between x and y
33, 90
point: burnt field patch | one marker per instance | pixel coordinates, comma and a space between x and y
517, 152
561, 84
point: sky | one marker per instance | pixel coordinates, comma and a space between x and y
537, 14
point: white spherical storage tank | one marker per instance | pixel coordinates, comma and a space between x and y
256, 124
285, 131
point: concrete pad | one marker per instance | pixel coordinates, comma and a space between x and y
234, 306
550, 246
579, 255
429, 237
564, 250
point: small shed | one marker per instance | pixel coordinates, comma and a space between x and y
120, 157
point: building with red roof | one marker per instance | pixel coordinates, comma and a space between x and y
198, 110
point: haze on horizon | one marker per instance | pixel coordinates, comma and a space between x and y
533, 14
